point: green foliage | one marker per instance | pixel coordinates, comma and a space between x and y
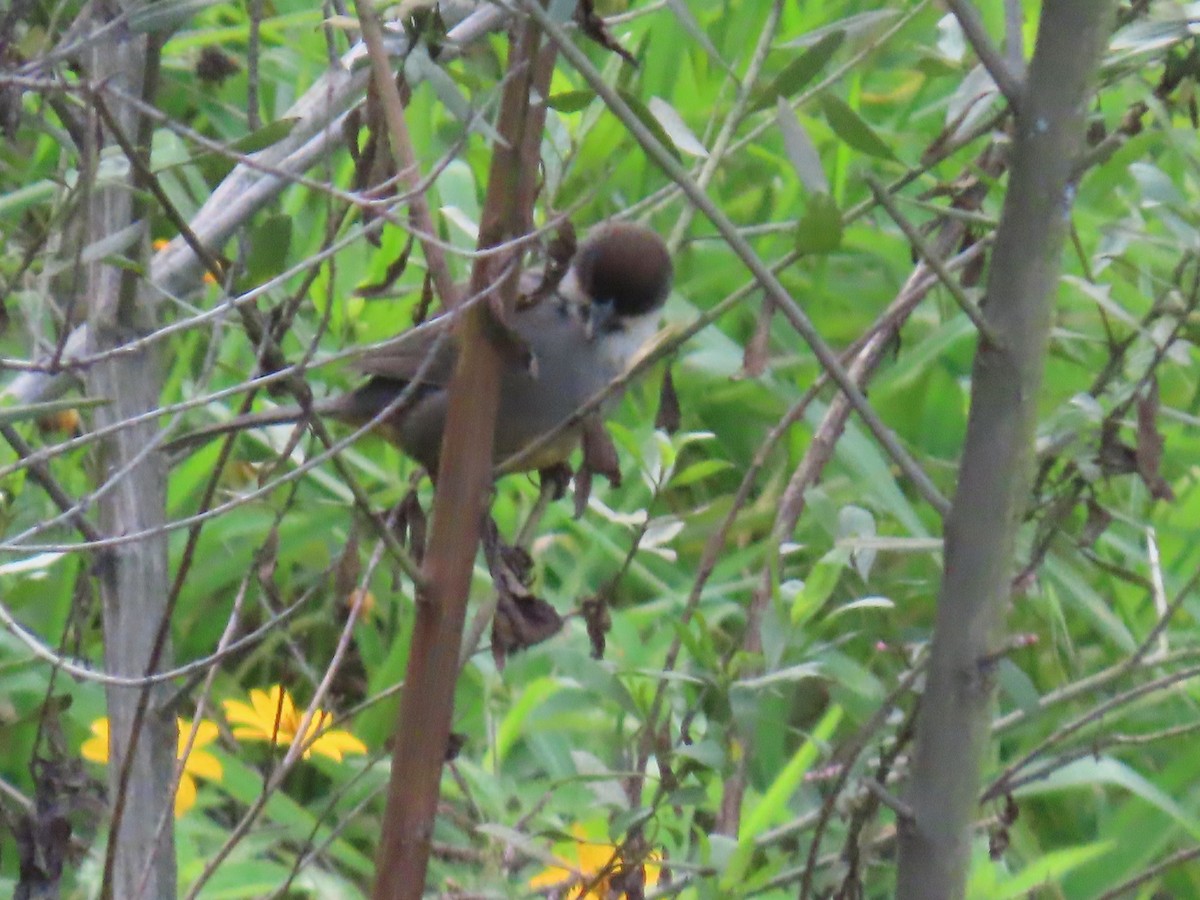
696, 697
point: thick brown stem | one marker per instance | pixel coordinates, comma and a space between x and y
464, 481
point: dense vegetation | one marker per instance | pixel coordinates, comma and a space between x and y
732, 695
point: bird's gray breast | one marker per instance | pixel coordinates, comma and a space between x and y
568, 368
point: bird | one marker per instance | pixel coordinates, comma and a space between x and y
578, 338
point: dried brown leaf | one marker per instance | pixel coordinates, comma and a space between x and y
594, 27
599, 622
394, 270
1098, 519
669, 415
599, 458
1150, 444
757, 352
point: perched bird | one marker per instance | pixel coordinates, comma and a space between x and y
579, 338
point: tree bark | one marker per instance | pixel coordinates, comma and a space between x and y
953, 726
132, 481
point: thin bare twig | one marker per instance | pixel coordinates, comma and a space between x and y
1000, 784
401, 144
1177, 858
931, 259
1007, 80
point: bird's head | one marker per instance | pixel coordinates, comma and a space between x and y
625, 271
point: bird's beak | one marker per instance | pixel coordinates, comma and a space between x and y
600, 317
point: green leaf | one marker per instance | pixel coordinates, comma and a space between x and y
1092, 772
419, 66
269, 245
629, 819
698, 471
850, 127
1018, 686
936, 67
166, 17
820, 228
853, 27
708, 753
688, 22
518, 839
512, 727
856, 528
13, 202
647, 118
1049, 868
217, 164
800, 71
801, 152
570, 101
790, 674
271, 133
1145, 37
672, 122
820, 583
773, 807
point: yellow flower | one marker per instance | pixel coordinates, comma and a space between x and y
592, 859
199, 763
65, 421
361, 603
272, 716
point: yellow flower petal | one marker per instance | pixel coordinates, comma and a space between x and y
653, 870
273, 716
199, 762
315, 725
553, 876
239, 713
256, 721
185, 795
203, 764
595, 857
206, 733
95, 748
335, 743
266, 709
277, 703
251, 733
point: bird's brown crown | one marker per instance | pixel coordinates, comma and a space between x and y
627, 265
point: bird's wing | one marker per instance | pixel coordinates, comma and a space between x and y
401, 358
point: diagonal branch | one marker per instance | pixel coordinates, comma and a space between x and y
401, 145
253, 184
932, 259
971, 24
